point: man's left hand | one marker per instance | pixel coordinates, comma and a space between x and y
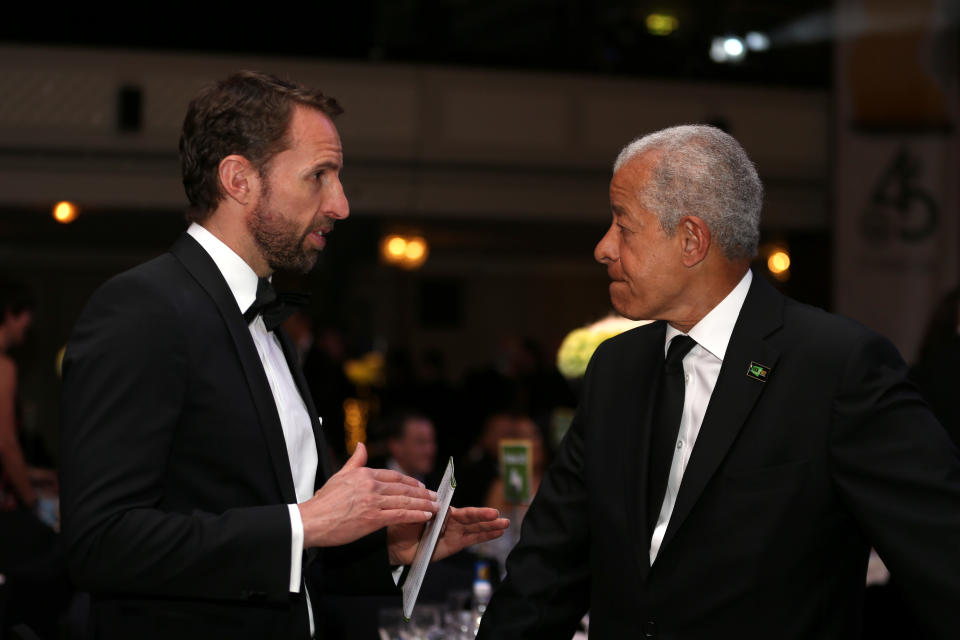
463, 527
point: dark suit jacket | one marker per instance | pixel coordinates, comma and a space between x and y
175, 476
790, 481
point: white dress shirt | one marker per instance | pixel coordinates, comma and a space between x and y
294, 419
701, 368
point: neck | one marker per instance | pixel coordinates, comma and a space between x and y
705, 293
229, 227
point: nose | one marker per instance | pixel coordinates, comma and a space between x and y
606, 250
338, 207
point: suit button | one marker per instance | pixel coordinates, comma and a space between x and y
649, 629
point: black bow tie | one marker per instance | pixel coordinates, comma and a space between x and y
274, 307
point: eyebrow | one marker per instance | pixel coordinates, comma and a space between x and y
328, 164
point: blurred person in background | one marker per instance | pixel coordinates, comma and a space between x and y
16, 485
412, 446
480, 467
512, 426
520, 427
32, 567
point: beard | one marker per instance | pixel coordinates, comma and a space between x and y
279, 240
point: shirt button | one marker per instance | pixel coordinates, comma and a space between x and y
686, 378
679, 444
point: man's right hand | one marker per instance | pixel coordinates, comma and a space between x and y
358, 500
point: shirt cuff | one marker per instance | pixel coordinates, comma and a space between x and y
296, 547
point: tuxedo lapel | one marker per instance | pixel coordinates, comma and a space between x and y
204, 270
636, 417
733, 396
293, 363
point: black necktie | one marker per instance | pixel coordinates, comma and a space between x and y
666, 425
274, 307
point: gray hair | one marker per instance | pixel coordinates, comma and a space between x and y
702, 171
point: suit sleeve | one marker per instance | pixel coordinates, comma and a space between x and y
546, 590
897, 471
125, 385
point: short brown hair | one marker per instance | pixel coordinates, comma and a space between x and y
247, 114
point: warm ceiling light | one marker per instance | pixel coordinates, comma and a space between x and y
408, 252
396, 246
415, 249
661, 24
415, 254
392, 248
778, 262
65, 212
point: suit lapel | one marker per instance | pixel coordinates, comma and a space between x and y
733, 396
206, 273
637, 416
293, 362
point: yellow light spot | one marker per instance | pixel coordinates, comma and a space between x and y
415, 249
58, 361
415, 254
65, 212
778, 262
661, 24
356, 412
407, 252
396, 246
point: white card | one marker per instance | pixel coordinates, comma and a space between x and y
428, 542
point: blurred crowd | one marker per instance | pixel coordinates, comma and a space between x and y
417, 417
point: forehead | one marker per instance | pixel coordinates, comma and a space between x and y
417, 427
313, 134
637, 170
631, 178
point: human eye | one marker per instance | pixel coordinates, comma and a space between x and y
322, 174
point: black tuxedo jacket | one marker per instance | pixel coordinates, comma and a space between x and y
175, 476
790, 482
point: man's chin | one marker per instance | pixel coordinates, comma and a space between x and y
308, 264
303, 265
625, 309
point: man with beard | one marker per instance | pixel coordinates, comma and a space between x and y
195, 480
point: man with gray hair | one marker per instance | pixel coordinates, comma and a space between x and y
731, 464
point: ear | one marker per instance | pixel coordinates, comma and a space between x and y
695, 240
239, 179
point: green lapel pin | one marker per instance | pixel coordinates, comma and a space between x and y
758, 371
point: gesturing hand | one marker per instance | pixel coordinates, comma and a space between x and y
464, 527
358, 500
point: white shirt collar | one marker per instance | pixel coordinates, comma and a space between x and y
714, 329
240, 277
